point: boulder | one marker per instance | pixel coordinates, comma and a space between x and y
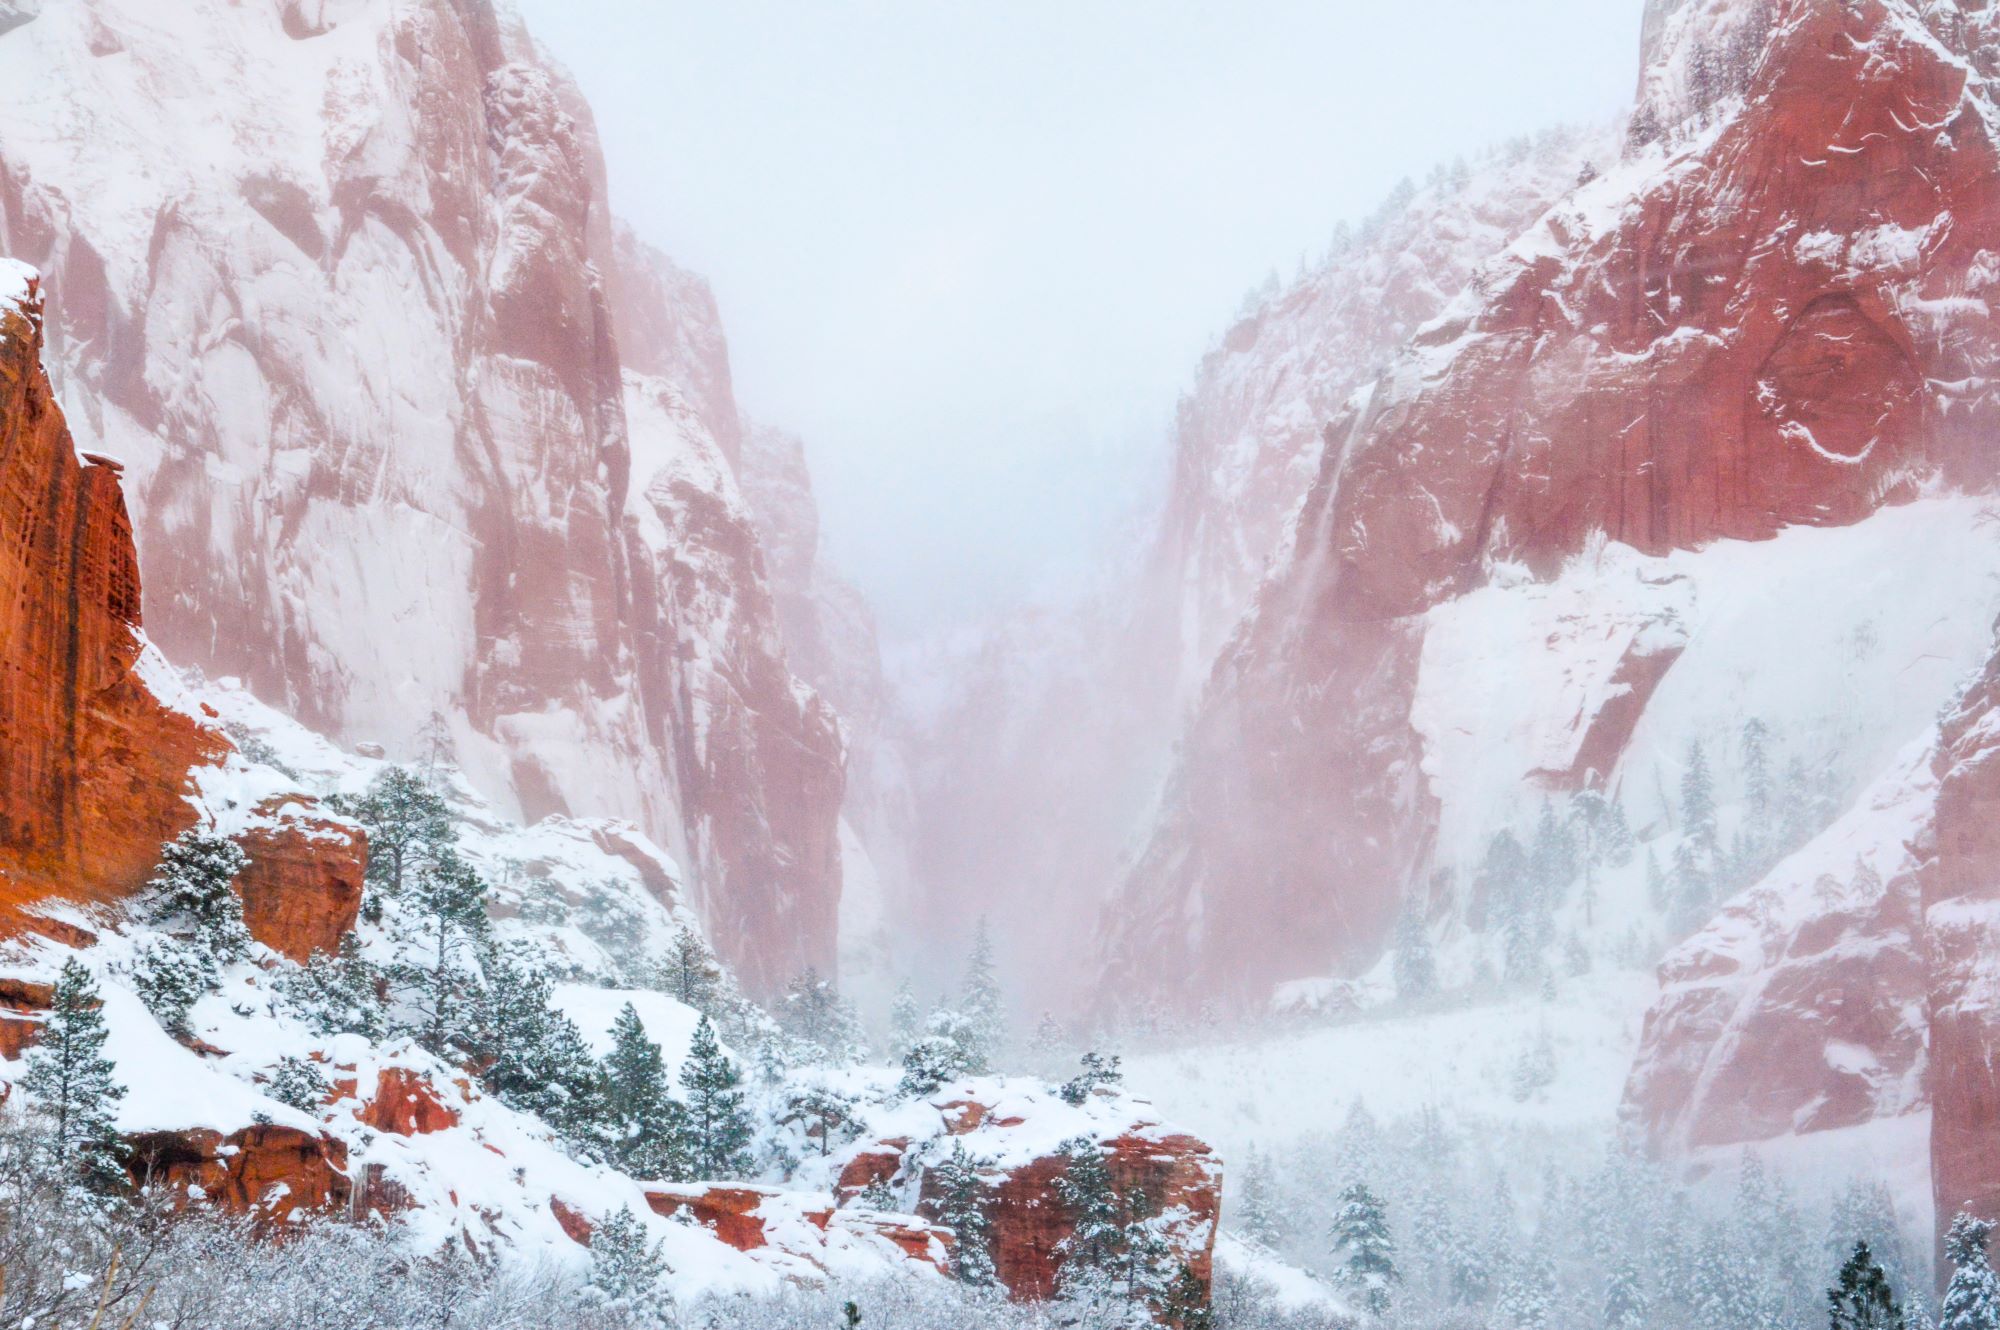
302, 880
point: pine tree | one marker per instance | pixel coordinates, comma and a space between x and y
1865, 1211
337, 994
718, 1126
443, 921
1097, 1070
1698, 800
1413, 965
961, 1207
73, 1086
813, 1013
981, 1002
1256, 1218
193, 891
1552, 861
1188, 1303
906, 1021
1626, 1306
1362, 1245
648, 1128
1861, 1298
826, 1117
690, 972
1501, 891
408, 824
625, 1266
170, 977
1087, 1257
1972, 1299
536, 1060
297, 1082
933, 1061
611, 918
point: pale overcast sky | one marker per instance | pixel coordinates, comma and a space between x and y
972, 252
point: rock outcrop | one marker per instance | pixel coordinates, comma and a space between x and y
1776, 314
271, 1173
790, 1225
1168, 1177
302, 878
365, 353
93, 768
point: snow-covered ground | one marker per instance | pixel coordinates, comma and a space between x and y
1268, 1093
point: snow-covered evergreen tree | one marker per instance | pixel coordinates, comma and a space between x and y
961, 1207
1097, 1070
1861, 1298
337, 994
298, 1083
813, 1012
906, 1021
826, 1117
535, 1058
1363, 1248
1626, 1306
1501, 890
1972, 1298
982, 1003
1698, 813
1256, 1206
1865, 1211
1114, 1267
170, 976
932, 1061
193, 893
407, 821
626, 1267
441, 922
647, 1126
72, 1086
1412, 964
718, 1124
690, 974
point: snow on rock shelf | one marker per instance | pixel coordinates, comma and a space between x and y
1014, 1131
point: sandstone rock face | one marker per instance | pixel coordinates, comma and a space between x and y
301, 882
1714, 340
1962, 911
1801, 1007
405, 1103
93, 769
1064, 720
1175, 1175
364, 353
272, 1173
1012, 1132
792, 1228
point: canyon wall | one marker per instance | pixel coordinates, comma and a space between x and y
337, 283
1772, 311
93, 769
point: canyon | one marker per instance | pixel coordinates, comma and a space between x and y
1613, 444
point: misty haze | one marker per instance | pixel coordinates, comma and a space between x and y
1287, 667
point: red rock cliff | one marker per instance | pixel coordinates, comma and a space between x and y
92, 768
1783, 317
